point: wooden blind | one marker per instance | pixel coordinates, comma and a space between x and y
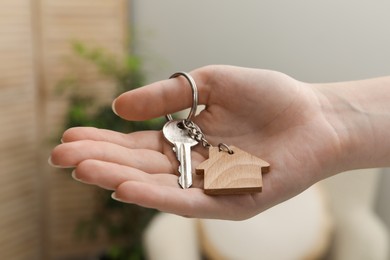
19, 177
97, 23
39, 206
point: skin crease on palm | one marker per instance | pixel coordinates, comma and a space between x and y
285, 122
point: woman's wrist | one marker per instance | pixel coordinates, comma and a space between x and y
359, 113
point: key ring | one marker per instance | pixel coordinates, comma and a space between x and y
194, 95
225, 148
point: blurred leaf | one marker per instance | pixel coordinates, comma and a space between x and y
122, 223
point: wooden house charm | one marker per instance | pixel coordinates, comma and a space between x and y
236, 173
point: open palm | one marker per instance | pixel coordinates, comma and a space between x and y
265, 113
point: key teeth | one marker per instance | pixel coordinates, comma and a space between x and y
182, 181
183, 184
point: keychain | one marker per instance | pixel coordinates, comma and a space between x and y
228, 170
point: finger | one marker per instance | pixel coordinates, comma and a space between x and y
160, 98
188, 202
71, 154
110, 175
164, 198
152, 140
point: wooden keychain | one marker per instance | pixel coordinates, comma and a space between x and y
233, 171
228, 170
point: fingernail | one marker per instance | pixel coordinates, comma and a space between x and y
75, 177
114, 197
50, 162
113, 107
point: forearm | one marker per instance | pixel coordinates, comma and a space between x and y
359, 112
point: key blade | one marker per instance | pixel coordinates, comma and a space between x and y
185, 168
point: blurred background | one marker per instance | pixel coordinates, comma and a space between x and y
63, 61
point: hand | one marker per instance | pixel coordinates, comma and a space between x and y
265, 113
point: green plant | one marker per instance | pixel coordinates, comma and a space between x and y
121, 223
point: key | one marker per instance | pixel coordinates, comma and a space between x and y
182, 144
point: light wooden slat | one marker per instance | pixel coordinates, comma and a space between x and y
17, 123
99, 23
19, 196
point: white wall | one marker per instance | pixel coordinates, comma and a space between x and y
383, 205
310, 40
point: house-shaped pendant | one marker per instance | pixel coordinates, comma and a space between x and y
236, 173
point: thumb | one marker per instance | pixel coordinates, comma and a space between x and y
158, 99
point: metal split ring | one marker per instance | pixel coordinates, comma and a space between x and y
194, 95
225, 148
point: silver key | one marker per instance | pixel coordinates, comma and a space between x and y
182, 144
